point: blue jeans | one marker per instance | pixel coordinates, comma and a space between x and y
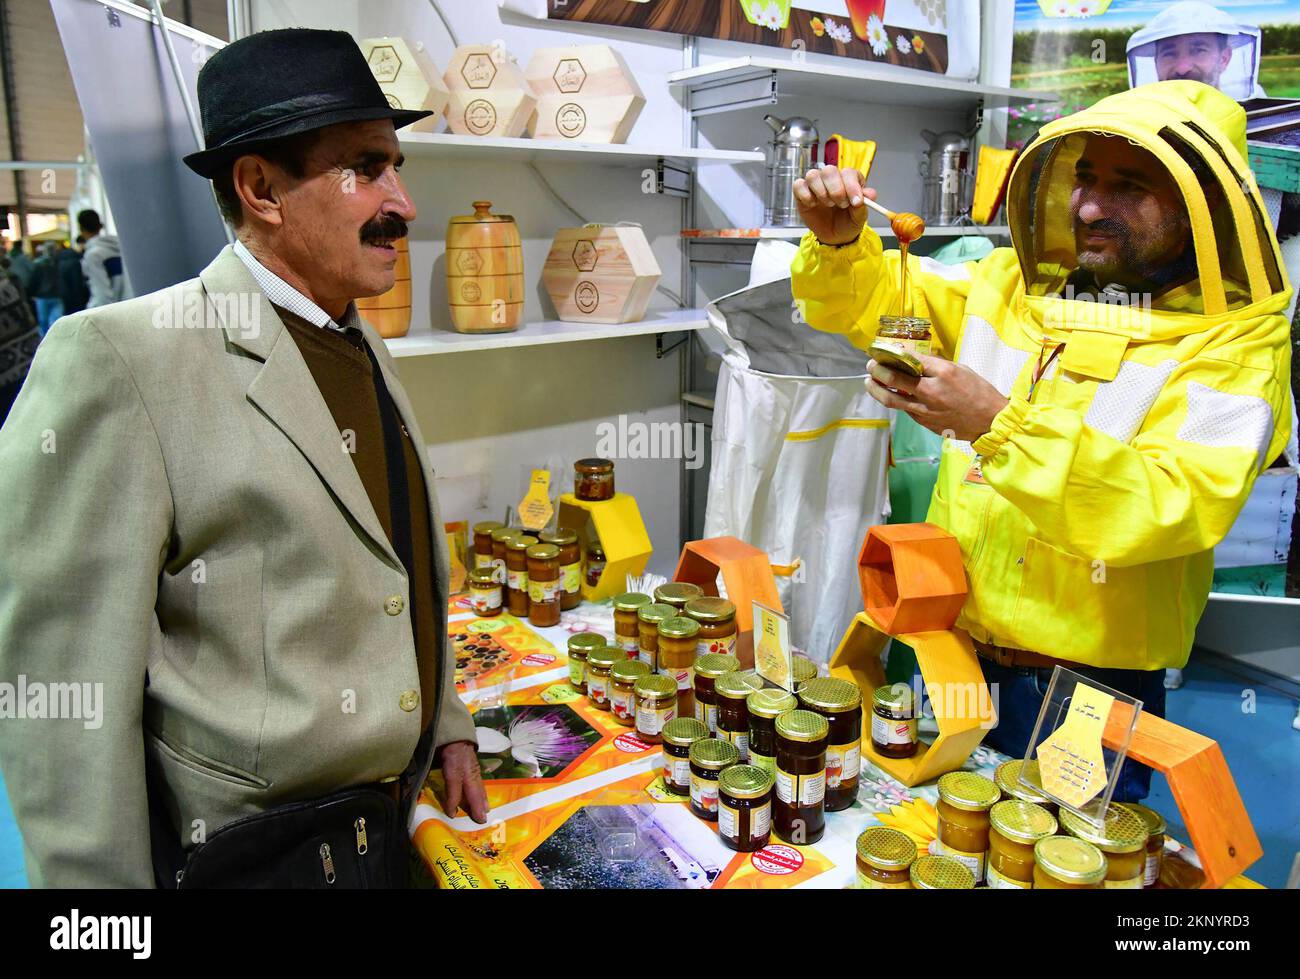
47, 311
1020, 697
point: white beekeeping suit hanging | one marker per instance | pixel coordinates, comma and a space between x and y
1197, 41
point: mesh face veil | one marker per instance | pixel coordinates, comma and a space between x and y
1198, 42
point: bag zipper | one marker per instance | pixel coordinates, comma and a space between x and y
327, 862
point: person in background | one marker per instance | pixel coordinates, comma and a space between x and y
1194, 41
22, 268
45, 287
102, 261
72, 283
19, 336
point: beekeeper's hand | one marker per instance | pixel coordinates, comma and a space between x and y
950, 400
830, 203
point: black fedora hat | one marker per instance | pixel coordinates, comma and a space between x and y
279, 83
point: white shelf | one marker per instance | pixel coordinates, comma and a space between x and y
794, 234
429, 342
499, 148
866, 84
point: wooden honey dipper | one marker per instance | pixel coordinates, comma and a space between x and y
908, 227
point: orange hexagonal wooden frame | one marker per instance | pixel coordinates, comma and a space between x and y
912, 577
747, 573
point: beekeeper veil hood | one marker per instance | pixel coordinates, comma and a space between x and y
1195, 41
1146, 200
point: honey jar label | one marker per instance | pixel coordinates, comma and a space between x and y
647, 657
499, 574
740, 739
594, 571
571, 577
486, 599
974, 861
722, 644
629, 645
677, 770
707, 714
482, 561
704, 793
1002, 882
765, 762
843, 764
598, 689
652, 721
801, 790
542, 592
760, 821
891, 731
517, 580
1152, 872
623, 705
685, 678
577, 669
1133, 883
871, 884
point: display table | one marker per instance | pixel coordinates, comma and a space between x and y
576, 799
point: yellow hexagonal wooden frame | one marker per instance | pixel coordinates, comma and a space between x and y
622, 535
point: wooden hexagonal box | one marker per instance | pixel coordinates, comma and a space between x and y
584, 92
745, 571
408, 77
912, 577
600, 274
489, 94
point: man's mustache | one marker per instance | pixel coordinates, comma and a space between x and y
387, 228
1103, 227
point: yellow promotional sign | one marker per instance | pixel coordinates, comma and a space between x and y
535, 509
1070, 761
773, 654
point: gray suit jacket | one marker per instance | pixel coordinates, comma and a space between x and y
183, 526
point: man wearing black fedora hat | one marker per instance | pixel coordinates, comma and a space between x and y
222, 531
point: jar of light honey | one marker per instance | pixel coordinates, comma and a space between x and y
1065, 863
484, 593
677, 659
885, 858
1007, 778
648, 619
517, 573
940, 874
1157, 827
580, 646
677, 594
717, 619
964, 803
1122, 837
600, 663
483, 542
626, 623
570, 565
1014, 827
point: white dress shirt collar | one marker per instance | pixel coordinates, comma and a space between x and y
287, 297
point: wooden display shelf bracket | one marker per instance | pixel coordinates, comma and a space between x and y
621, 531
747, 573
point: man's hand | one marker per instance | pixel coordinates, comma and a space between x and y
950, 400
830, 203
464, 783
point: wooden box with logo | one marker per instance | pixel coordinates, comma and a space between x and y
600, 273
584, 93
408, 77
489, 95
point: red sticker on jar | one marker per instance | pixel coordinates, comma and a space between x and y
777, 859
631, 744
538, 659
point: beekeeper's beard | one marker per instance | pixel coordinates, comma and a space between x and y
1149, 257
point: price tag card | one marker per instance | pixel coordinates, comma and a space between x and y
1070, 760
773, 653
536, 509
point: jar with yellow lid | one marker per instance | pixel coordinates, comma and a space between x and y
678, 736
570, 565
622, 689
648, 619
1064, 863
707, 670
1007, 779
717, 619
517, 573
708, 757
940, 874
677, 659
656, 705
677, 594
484, 593
893, 721
910, 333
626, 627
600, 663
964, 803
885, 857
1122, 837
840, 702
500, 538
731, 692
579, 647
595, 565
764, 707
544, 585
799, 809
745, 808
1157, 828
1014, 827
483, 542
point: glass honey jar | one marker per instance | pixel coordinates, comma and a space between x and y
885, 857
677, 659
484, 593
648, 619
840, 702
626, 624
940, 874
677, 594
593, 480
717, 619
893, 721
911, 333
1014, 827
483, 542
678, 736
544, 586
600, 663
656, 705
580, 646
964, 803
707, 670
1122, 837
745, 808
1007, 779
731, 692
799, 809
1065, 863
764, 707
570, 565
517, 573
500, 538
708, 757
1157, 828
622, 689
595, 566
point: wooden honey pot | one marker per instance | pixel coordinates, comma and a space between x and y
485, 271
390, 313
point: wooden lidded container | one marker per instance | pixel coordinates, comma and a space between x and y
600, 273
485, 271
584, 92
390, 313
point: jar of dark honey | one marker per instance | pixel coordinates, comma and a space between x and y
803, 670
626, 624
595, 563
799, 809
764, 707
484, 593
517, 573
677, 594
580, 646
593, 480
707, 670
648, 619
745, 808
893, 721
483, 542
544, 585
840, 702
570, 565
708, 757
885, 856
678, 736
731, 693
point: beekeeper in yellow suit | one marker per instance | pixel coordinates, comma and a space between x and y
1109, 387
